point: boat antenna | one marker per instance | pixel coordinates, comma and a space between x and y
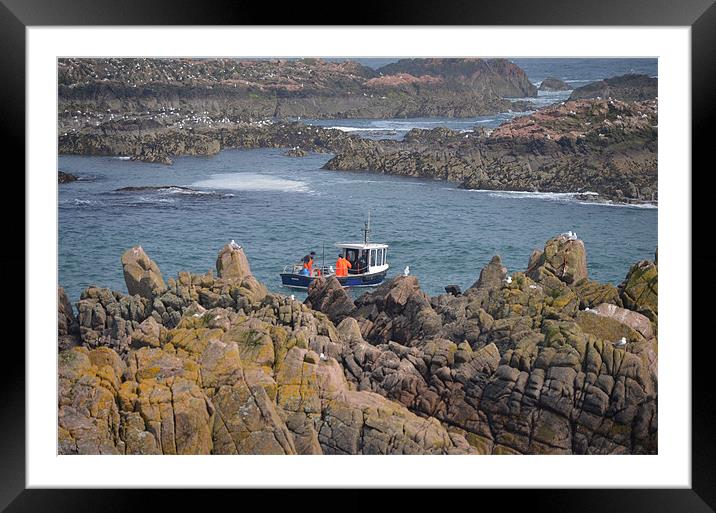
323, 258
366, 229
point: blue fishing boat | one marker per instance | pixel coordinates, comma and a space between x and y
369, 265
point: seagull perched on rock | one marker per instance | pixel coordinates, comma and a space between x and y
622, 342
323, 357
293, 298
234, 245
508, 280
406, 271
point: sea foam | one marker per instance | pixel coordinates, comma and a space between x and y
251, 182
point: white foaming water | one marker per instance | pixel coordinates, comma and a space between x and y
122, 158
360, 129
251, 182
84, 202
146, 199
621, 205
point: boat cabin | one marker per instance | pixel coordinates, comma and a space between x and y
365, 258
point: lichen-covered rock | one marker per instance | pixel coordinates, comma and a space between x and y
88, 417
220, 366
232, 264
563, 257
592, 293
640, 289
141, 274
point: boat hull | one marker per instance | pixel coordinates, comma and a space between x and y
299, 281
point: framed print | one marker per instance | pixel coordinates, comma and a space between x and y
422, 252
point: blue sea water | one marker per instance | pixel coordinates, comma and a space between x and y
280, 208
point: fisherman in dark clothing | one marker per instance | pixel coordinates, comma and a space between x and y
361, 263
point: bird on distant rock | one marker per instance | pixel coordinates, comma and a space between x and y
293, 298
622, 342
406, 271
234, 245
323, 357
508, 280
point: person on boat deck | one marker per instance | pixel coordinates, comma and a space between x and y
342, 266
308, 262
362, 263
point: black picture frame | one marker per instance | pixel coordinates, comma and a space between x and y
17, 15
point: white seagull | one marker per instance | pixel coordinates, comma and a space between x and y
323, 357
508, 280
622, 342
293, 298
406, 271
234, 245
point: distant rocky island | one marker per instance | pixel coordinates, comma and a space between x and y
545, 361
106, 91
601, 144
630, 87
554, 84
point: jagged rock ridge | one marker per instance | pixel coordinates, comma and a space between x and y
516, 364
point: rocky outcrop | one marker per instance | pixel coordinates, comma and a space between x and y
244, 376
606, 148
67, 325
564, 258
515, 365
491, 276
327, 295
630, 87
554, 84
296, 152
141, 274
232, 264
499, 76
63, 177
640, 291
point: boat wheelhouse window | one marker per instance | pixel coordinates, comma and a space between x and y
380, 256
372, 257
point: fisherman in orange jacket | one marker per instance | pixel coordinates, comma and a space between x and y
342, 266
308, 262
